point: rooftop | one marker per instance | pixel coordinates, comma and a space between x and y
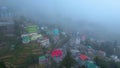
6, 23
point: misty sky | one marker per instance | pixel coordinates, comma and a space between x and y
104, 12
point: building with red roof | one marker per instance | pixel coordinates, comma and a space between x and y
56, 53
83, 57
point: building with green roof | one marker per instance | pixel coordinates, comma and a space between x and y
32, 29
90, 64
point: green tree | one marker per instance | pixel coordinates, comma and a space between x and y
2, 65
68, 61
118, 64
83, 66
112, 64
101, 62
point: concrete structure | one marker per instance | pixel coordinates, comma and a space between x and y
5, 14
7, 28
45, 42
6, 21
115, 58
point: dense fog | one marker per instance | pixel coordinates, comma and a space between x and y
97, 16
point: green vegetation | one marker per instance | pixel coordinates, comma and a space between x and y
30, 60
68, 61
106, 64
2, 65
100, 62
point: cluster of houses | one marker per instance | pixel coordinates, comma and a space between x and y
57, 54
84, 53
34, 34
